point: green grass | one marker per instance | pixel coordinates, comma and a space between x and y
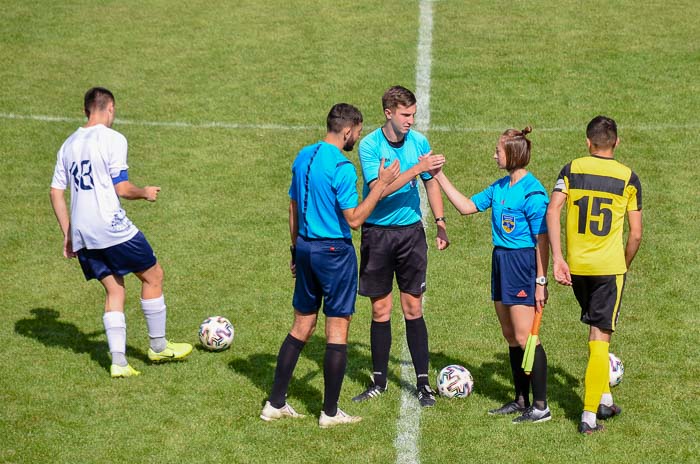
219, 227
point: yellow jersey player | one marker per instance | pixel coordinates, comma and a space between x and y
598, 191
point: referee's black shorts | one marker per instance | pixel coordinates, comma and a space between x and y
385, 251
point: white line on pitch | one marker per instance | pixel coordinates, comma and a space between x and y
181, 124
292, 127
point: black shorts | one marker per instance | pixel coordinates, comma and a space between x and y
600, 298
385, 251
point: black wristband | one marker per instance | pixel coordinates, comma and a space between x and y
441, 218
293, 251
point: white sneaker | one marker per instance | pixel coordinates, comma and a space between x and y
270, 413
340, 418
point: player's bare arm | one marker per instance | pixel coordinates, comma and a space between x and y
357, 216
560, 267
58, 202
293, 233
634, 236
542, 258
432, 189
464, 205
129, 191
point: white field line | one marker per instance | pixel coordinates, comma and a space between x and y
407, 442
422, 120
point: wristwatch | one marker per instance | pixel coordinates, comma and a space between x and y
541, 280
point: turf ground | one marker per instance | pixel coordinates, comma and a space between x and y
215, 99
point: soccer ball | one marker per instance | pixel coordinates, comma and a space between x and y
216, 333
617, 370
455, 381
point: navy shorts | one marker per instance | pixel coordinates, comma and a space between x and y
513, 274
135, 255
599, 298
326, 272
385, 251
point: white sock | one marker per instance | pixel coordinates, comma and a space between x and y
115, 328
606, 399
154, 312
589, 418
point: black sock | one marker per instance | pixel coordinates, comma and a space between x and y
417, 339
539, 378
333, 372
520, 380
380, 343
286, 362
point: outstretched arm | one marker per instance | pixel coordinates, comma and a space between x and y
559, 264
425, 163
129, 191
58, 202
432, 190
463, 204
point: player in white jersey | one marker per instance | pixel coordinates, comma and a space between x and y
92, 165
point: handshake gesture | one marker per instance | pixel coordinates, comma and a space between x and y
432, 164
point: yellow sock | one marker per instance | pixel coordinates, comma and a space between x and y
597, 375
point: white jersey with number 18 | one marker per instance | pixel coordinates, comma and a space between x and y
90, 162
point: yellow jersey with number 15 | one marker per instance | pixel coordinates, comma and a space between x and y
599, 193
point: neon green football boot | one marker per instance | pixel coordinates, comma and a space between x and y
122, 371
172, 352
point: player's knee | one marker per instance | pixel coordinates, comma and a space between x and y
303, 333
153, 277
158, 275
413, 312
381, 312
521, 339
509, 335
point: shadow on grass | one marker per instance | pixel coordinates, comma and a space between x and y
46, 328
260, 370
493, 379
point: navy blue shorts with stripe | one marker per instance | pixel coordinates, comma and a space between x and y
326, 274
513, 274
135, 255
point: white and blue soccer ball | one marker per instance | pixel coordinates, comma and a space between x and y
455, 381
216, 333
617, 370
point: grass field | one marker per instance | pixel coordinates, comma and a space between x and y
249, 84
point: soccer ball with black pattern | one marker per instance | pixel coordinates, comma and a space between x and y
455, 381
216, 333
617, 370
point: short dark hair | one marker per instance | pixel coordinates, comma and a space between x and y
517, 148
343, 115
602, 132
397, 95
97, 98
